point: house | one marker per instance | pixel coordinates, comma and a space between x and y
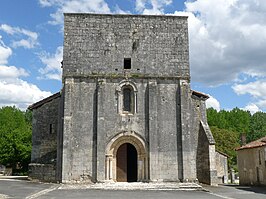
126, 111
251, 160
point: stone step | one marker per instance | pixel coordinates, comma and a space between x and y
134, 186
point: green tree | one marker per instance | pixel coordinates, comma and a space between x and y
226, 142
257, 126
216, 118
15, 142
238, 120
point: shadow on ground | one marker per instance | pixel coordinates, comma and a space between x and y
255, 189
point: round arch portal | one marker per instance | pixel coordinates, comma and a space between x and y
114, 161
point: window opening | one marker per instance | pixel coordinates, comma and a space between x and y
259, 158
51, 128
127, 99
127, 63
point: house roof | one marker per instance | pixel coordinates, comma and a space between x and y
257, 143
44, 101
224, 154
200, 95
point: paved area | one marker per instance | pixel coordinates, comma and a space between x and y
237, 192
21, 189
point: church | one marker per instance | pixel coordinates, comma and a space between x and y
126, 112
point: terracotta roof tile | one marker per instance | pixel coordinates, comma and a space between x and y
257, 143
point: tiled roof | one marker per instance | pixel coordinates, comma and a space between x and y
257, 143
200, 95
48, 99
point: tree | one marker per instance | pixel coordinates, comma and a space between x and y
238, 120
227, 127
15, 142
226, 142
257, 126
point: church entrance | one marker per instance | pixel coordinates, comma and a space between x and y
126, 158
126, 163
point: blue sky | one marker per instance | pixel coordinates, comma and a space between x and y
227, 46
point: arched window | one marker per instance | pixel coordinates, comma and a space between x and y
128, 99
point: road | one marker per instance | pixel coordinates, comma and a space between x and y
21, 189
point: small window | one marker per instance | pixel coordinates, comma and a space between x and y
51, 128
259, 158
127, 63
127, 99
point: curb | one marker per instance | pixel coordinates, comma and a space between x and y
14, 177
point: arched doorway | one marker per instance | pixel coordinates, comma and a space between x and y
126, 158
126, 163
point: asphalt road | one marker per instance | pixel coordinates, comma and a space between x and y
29, 190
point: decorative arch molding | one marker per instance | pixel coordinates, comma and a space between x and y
126, 83
130, 108
112, 147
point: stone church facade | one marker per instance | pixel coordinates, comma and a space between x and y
126, 111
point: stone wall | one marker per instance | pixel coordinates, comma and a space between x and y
95, 47
42, 172
252, 166
202, 145
91, 127
97, 44
44, 138
166, 117
222, 168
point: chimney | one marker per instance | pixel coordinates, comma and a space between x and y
243, 139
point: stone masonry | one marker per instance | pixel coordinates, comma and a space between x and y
126, 90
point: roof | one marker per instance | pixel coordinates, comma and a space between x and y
257, 143
44, 101
222, 153
200, 95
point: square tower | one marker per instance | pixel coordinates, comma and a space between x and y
126, 111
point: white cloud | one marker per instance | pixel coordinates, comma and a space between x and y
74, 6
227, 38
20, 93
214, 103
13, 90
47, 3
5, 52
30, 41
11, 72
151, 7
52, 69
256, 89
252, 108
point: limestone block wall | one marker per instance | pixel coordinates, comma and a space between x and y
252, 166
163, 133
206, 161
165, 118
44, 140
203, 141
95, 48
44, 135
79, 130
42, 172
97, 44
92, 119
222, 168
